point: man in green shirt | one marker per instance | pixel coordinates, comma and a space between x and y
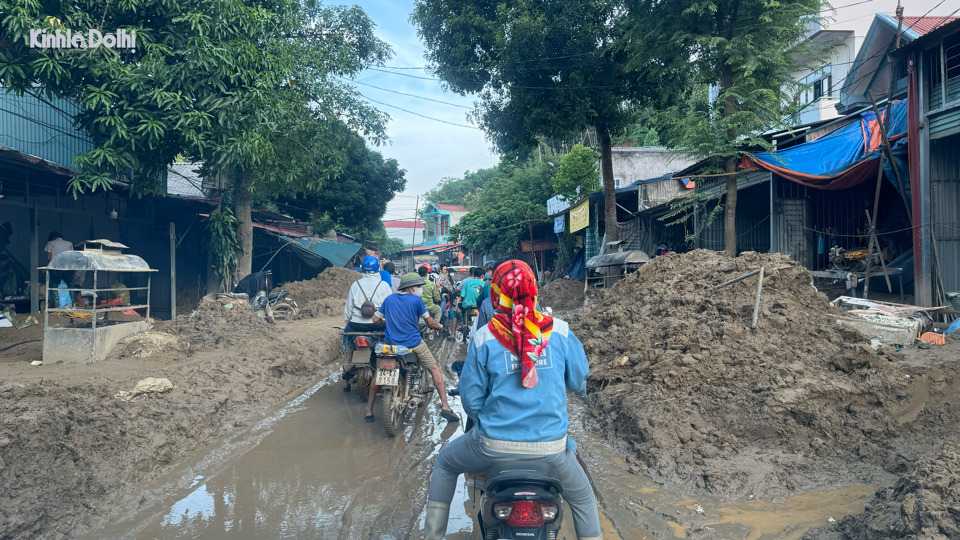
431, 296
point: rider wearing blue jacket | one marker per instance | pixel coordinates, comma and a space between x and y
513, 385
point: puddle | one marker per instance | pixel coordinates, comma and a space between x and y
792, 518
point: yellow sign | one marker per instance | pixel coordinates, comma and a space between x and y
580, 216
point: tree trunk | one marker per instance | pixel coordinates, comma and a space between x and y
730, 210
213, 280
609, 189
242, 203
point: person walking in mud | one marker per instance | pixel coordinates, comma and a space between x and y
513, 386
400, 314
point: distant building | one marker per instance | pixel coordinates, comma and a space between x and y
631, 164
438, 219
410, 232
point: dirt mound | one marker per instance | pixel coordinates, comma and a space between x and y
922, 505
219, 324
333, 282
697, 396
562, 295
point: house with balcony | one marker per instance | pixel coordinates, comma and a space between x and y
438, 218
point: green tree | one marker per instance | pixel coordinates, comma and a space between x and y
504, 209
746, 49
456, 190
578, 175
539, 69
219, 88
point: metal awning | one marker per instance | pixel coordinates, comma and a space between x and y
636, 257
95, 259
314, 250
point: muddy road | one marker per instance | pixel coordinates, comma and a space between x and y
315, 469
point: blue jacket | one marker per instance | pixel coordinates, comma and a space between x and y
514, 419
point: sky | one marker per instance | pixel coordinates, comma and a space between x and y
427, 149
430, 150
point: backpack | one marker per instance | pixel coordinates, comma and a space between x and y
368, 308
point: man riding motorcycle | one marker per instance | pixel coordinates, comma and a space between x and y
400, 313
513, 386
430, 296
370, 287
469, 294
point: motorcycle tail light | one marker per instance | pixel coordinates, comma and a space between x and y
388, 363
549, 511
361, 342
525, 514
502, 511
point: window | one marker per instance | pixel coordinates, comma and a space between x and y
617, 182
951, 61
444, 225
823, 87
935, 74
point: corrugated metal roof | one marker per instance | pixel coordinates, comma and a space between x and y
403, 224
98, 260
38, 129
183, 180
451, 207
922, 25
311, 248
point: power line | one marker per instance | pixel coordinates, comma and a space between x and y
418, 114
415, 96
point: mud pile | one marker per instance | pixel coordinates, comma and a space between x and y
333, 282
694, 395
562, 295
922, 504
323, 295
219, 324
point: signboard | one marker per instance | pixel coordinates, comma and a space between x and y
580, 216
527, 246
559, 223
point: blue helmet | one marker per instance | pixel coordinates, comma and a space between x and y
370, 264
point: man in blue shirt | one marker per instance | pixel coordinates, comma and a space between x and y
401, 313
470, 291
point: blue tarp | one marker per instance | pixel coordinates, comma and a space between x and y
839, 160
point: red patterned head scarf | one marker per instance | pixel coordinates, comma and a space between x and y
517, 325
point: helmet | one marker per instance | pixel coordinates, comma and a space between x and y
370, 264
411, 279
492, 265
434, 268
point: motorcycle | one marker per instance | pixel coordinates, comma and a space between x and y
358, 369
464, 329
521, 499
404, 385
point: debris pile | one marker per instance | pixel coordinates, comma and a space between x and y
679, 378
219, 324
922, 504
324, 294
562, 295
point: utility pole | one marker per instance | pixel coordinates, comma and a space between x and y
413, 241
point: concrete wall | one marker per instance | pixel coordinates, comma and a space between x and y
641, 163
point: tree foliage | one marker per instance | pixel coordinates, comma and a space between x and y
456, 190
547, 69
578, 174
505, 207
746, 49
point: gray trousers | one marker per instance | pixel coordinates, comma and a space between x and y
466, 455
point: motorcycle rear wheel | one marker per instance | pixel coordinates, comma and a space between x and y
391, 410
362, 383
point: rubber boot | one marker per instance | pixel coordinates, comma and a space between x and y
435, 524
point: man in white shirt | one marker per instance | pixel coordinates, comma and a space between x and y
56, 245
371, 287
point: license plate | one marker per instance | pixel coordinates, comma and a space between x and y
388, 377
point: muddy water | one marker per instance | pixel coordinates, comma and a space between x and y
317, 470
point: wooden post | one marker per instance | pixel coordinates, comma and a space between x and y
756, 303
173, 271
35, 262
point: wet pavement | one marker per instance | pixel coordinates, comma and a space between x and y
315, 469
